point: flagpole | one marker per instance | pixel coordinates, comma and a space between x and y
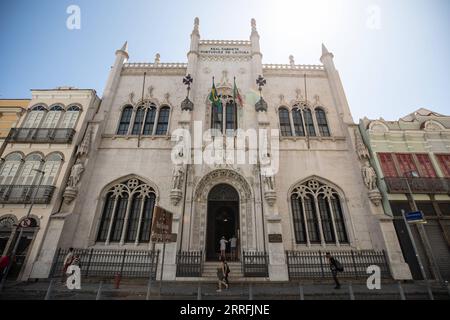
142, 120
306, 104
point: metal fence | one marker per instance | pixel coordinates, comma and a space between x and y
41, 135
189, 264
26, 194
417, 184
314, 264
255, 264
109, 262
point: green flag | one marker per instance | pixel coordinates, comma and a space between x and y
215, 100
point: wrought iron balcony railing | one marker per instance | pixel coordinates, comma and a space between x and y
41, 135
417, 185
23, 194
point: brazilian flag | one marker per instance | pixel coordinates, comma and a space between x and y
215, 100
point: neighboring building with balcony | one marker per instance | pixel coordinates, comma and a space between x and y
412, 159
10, 112
45, 139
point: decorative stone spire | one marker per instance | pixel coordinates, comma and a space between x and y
253, 23
123, 50
196, 26
291, 60
157, 58
325, 53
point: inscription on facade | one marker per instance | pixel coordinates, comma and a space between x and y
224, 51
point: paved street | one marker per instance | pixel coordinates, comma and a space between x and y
137, 290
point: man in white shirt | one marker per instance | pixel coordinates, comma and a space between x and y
233, 245
223, 247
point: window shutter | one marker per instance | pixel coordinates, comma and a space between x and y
387, 165
426, 166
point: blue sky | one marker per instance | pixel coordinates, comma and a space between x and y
391, 63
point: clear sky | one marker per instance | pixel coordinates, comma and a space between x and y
392, 55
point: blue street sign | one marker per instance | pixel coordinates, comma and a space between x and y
415, 217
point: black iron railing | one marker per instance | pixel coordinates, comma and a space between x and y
417, 185
255, 264
189, 264
314, 264
41, 135
23, 194
109, 262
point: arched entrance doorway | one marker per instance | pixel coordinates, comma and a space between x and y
223, 218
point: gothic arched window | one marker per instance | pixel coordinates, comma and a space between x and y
163, 121
138, 119
217, 117
322, 123
35, 117
125, 120
127, 213
309, 123
10, 168
231, 117
285, 123
298, 122
149, 122
71, 117
317, 214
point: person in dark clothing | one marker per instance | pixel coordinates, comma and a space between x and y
335, 267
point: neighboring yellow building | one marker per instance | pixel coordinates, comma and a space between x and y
10, 112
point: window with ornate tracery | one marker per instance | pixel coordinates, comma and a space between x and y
224, 116
127, 213
125, 119
163, 121
309, 123
298, 122
322, 123
317, 214
285, 122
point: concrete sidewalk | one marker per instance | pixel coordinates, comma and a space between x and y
137, 290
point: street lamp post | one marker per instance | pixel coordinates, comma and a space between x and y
421, 229
17, 241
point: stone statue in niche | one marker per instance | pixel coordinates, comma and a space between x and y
269, 181
75, 174
83, 150
361, 148
369, 176
177, 177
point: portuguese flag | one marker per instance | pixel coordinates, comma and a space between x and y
236, 95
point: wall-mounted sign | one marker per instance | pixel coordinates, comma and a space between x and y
275, 238
225, 51
161, 225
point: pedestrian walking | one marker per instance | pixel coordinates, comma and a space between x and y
233, 245
335, 267
223, 247
222, 275
4, 263
67, 262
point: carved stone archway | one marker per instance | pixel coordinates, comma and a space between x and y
246, 209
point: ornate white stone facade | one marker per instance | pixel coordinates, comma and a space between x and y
264, 202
